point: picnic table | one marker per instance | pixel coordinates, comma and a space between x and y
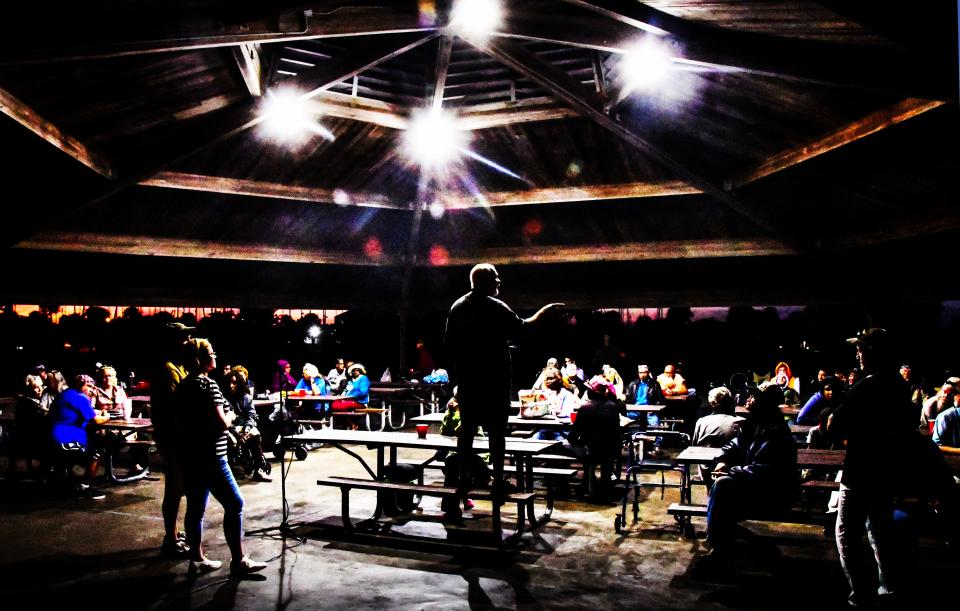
387, 444
125, 426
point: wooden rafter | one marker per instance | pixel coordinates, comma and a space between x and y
328, 73
441, 68
605, 25
87, 242
27, 117
250, 65
589, 104
837, 138
571, 194
258, 188
635, 251
197, 249
188, 32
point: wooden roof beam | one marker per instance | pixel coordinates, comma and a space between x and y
634, 251
851, 132
258, 188
571, 194
85, 242
27, 117
251, 67
94, 37
590, 105
441, 68
88, 242
611, 25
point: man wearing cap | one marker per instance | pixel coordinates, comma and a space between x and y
162, 411
876, 419
479, 327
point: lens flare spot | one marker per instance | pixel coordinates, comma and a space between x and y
533, 227
439, 255
372, 248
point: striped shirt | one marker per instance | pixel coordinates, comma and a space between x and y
199, 427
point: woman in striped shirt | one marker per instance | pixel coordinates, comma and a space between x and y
203, 417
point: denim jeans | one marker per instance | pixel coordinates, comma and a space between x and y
733, 499
871, 512
203, 477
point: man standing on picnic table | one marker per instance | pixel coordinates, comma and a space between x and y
479, 327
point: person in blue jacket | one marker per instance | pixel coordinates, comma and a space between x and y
829, 396
71, 414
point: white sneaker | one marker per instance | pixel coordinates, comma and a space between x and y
246, 565
205, 566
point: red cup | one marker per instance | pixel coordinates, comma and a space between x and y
573, 417
932, 423
422, 430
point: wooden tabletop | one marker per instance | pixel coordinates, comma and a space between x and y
809, 459
693, 455
139, 398
411, 440
547, 422
127, 424
801, 429
786, 410
633, 407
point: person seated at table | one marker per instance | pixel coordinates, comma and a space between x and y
54, 386
613, 376
718, 428
595, 436
312, 383
946, 429
671, 383
756, 473
552, 365
33, 427
110, 397
941, 401
828, 397
244, 425
570, 369
282, 380
70, 415
357, 393
784, 378
561, 402
337, 377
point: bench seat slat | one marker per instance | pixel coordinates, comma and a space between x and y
367, 484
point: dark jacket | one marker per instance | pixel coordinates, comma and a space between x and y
877, 419
764, 451
654, 393
243, 407
598, 429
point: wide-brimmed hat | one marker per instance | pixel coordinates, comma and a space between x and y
601, 386
355, 366
870, 338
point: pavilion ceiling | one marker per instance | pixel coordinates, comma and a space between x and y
786, 128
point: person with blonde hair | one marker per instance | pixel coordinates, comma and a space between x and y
312, 382
203, 417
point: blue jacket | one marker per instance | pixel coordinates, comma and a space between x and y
71, 412
811, 410
359, 389
316, 385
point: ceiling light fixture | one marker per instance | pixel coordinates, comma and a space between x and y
476, 19
645, 65
433, 138
287, 117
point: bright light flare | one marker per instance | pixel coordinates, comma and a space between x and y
314, 331
476, 19
646, 65
287, 117
433, 138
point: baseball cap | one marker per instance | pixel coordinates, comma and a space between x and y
82, 379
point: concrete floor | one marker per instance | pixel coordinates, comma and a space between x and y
107, 553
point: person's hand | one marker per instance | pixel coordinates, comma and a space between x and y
721, 469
